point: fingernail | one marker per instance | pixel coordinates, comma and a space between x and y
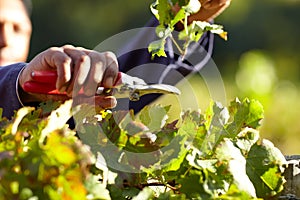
89, 92
63, 88
109, 82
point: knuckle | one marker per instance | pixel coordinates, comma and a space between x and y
111, 59
53, 49
66, 60
68, 46
110, 55
83, 58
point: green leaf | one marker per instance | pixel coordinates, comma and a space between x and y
154, 117
63, 153
192, 185
246, 139
163, 8
48, 106
264, 169
216, 118
58, 119
173, 154
247, 113
230, 154
19, 117
146, 193
195, 30
1, 114
196, 160
95, 189
157, 48
234, 193
180, 15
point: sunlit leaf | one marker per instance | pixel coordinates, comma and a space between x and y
146, 193
157, 48
154, 117
264, 168
19, 116
59, 149
57, 119
227, 152
247, 113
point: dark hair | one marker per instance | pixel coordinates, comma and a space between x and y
28, 6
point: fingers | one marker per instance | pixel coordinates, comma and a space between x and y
52, 59
104, 71
210, 9
77, 69
81, 65
111, 72
213, 4
91, 69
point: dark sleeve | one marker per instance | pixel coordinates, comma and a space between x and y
134, 59
9, 101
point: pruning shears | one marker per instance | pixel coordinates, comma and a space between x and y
126, 86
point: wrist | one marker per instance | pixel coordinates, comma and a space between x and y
18, 88
23, 96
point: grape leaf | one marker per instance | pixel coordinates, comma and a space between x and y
247, 113
146, 193
96, 189
227, 152
57, 119
216, 118
264, 168
154, 117
192, 184
157, 48
1, 113
246, 139
48, 106
19, 117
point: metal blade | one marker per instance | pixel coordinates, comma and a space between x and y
131, 80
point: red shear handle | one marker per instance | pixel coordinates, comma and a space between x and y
41, 88
44, 82
44, 76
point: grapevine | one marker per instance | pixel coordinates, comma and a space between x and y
168, 19
216, 154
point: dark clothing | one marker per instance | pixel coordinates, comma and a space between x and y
135, 60
8, 89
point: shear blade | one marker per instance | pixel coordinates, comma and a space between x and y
156, 88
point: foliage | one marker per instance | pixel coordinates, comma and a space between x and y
169, 18
41, 158
216, 154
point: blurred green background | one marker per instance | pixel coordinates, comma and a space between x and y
260, 59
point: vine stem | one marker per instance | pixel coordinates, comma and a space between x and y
159, 184
176, 44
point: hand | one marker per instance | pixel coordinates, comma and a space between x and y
210, 9
77, 68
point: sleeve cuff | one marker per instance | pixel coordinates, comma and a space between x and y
17, 87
